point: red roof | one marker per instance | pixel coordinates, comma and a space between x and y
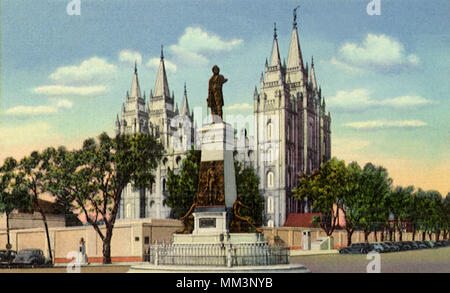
300, 220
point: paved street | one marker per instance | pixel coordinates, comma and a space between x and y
416, 261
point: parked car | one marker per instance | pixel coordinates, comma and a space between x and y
33, 257
430, 244
413, 244
378, 247
393, 246
442, 243
355, 248
7, 256
421, 244
404, 246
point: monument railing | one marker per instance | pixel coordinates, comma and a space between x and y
255, 254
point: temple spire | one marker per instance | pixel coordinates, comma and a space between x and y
275, 60
295, 54
161, 86
313, 75
135, 89
185, 107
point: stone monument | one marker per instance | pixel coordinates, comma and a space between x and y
205, 240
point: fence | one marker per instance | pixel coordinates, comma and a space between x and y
217, 254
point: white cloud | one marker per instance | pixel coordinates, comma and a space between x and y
154, 64
130, 57
58, 90
385, 124
243, 106
376, 52
94, 69
195, 42
360, 99
29, 111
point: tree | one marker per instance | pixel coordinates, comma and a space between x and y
13, 194
352, 200
247, 183
376, 186
326, 189
446, 211
400, 202
33, 171
96, 175
183, 186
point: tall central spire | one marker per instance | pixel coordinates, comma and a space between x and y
185, 107
295, 53
162, 86
275, 59
135, 89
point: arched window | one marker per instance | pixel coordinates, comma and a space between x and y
270, 223
178, 161
269, 130
270, 179
270, 208
128, 211
164, 185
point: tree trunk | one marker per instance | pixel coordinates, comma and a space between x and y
413, 234
438, 233
429, 235
7, 232
107, 246
390, 234
349, 237
400, 235
376, 237
366, 235
44, 219
382, 235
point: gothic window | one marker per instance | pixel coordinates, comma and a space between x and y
270, 207
152, 203
128, 211
270, 223
164, 203
269, 130
250, 155
164, 185
270, 179
165, 162
178, 161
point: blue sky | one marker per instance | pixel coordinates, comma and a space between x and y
385, 77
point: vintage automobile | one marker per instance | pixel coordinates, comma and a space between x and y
421, 244
32, 257
355, 248
393, 247
404, 245
378, 247
7, 256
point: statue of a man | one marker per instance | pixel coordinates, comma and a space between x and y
215, 95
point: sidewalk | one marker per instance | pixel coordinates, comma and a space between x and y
300, 252
99, 264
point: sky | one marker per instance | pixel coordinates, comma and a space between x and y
385, 77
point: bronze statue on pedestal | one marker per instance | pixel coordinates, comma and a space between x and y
215, 95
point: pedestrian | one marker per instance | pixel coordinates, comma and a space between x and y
82, 252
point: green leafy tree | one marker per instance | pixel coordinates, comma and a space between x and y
182, 187
13, 194
326, 189
33, 171
247, 183
96, 175
400, 202
376, 186
446, 216
352, 200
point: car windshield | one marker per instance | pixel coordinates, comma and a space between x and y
27, 252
